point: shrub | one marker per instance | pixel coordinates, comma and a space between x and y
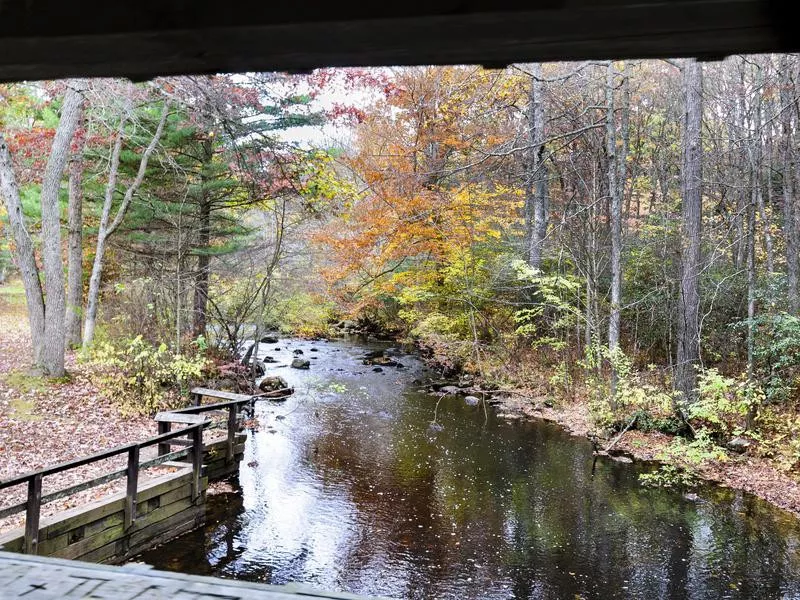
722, 403
144, 378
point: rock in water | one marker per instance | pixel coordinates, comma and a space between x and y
268, 359
297, 352
449, 389
269, 339
378, 370
273, 383
301, 363
472, 400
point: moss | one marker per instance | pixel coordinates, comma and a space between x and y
25, 383
24, 409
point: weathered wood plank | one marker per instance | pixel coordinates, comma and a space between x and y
209, 393
171, 417
103, 582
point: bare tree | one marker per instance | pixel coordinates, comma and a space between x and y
536, 177
688, 351
106, 229
615, 189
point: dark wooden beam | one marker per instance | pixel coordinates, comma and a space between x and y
45, 40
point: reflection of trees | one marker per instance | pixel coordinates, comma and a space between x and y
525, 512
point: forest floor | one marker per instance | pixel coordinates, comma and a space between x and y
758, 476
43, 423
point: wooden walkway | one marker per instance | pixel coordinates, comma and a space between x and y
38, 578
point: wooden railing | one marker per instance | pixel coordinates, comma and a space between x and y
190, 414
190, 437
32, 506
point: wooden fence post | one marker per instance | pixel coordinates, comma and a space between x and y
197, 460
163, 447
32, 514
233, 411
133, 486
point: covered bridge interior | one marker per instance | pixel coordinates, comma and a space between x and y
49, 40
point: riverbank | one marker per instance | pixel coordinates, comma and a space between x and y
526, 394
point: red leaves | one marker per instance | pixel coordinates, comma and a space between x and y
347, 115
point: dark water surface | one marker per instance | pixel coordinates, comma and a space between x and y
348, 487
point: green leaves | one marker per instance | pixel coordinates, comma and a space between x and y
144, 378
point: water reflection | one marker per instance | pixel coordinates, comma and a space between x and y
348, 487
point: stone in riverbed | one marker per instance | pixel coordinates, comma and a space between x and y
378, 370
297, 352
472, 400
449, 389
301, 363
273, 383
268, 359
382, 361
622, 459
269, 339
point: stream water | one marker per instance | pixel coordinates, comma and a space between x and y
348, 486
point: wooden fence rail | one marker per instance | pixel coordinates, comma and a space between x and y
189, 437
32, 506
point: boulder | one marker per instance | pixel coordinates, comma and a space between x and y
297, 352
378, 370
273, 383
449, 389
472, 400
313, 350
739, 445
269, 339
373, 354
301, 363
268, 360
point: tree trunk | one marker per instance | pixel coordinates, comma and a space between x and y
536, 179
688, 351
203, 246
788, 201
97, 266
24, 255
75, 245
615, 200
106, 230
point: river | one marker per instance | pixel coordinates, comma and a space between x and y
349, 485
